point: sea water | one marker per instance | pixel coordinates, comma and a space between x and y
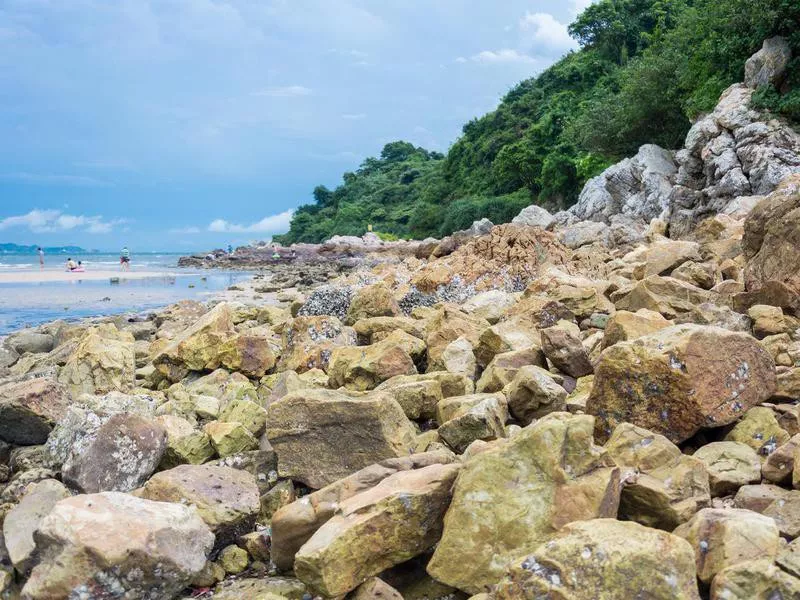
32, 303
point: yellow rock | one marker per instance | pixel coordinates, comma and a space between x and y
518, 495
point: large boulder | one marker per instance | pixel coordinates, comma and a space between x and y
293, 524
518, 495
534, 393
322, 435
534, 216
666, 295
639, 186
730, 466
365, 367
772, 238
604, 558
679, 380
395, 521
114, 545
624, 325
199, 347
31, 341
226, 499
724, 537
446, 325
663, 487
103, 361
29, 409
120, 456
768, 65
308, 342
372, 301
755, 579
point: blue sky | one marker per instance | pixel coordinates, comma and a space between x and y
190, 124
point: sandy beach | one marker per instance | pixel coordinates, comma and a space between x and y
47, 276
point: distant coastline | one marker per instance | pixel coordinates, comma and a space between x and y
17, 249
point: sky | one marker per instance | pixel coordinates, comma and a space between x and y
190, 124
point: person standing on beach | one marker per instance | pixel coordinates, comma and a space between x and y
125, 259
40, 252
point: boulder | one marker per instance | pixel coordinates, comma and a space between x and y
534, 216
308, 342
583, 233
512, 334
364, 367
772, 238
760, 430
781, 505
197, 348
459, 357
378, 327
31, 341
490, 305
518, 494
730, 465
663, 487
624, 325
679, 380
268, 588
322, 435
394, 521
226, 499
639, 186
251, 415
446, 325
779, 465
724, 537
29, 409
665, 255
119, 457
417, 398
372, 301
533, 393
768, 65
103, 361
604, 558
230, 438
248, 353
23, 520
468, 418
754, 579
376, 589
293, 524
566, 352
504, 367
666, 295
116, 545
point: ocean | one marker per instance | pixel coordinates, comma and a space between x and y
30, 303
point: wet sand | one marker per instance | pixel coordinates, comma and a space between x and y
46, 276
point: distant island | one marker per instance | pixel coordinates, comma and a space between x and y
17, 249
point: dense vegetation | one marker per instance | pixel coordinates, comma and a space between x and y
644, 70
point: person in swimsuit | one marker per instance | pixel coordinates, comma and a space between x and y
71, 265
125, 259
40, 252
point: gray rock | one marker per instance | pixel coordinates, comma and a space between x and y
534, 216
583, 233
24, 519
30, 341
29, 408
768, 65
8, 356
123, 453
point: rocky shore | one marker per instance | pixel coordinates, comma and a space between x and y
552, 408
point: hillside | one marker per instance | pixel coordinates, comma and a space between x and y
645, 70
17, 249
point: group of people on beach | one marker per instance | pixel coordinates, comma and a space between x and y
77, 267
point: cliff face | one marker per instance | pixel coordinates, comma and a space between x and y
731, 153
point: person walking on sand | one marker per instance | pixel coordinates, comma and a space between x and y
40, 252
125, 259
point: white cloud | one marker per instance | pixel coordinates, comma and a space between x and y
272, 224
43, 221
461, 59
289, 91
543, 30
506, 55
186, 230
354, 117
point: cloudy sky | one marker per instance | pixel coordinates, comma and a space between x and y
186, 124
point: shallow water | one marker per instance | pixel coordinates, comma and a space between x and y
29, 304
